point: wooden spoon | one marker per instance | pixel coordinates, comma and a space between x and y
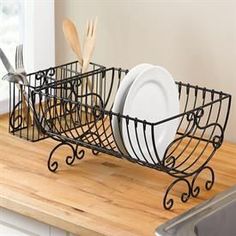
72, 38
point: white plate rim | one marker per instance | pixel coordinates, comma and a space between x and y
127, 105
120, 100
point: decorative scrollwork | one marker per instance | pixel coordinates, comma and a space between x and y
170, 162
43, 75
168, 203
208, 184
69, 107
192, 189
195, 115
16, 118
53, 164
192, 117
79, 153
217, 141
95, 152
215, 138
199, 112
50, 72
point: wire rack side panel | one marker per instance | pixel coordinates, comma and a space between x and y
78, 110
200, 132
21, 122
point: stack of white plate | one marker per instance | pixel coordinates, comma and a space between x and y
148, 93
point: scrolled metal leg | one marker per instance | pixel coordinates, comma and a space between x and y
79, 154
95, 152
208, 184
168, 203
193, 190
53, 164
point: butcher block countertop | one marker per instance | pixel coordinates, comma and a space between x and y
98, 195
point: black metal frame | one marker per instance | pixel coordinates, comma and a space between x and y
77, 115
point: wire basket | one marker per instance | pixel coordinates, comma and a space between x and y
78, 115
21, 122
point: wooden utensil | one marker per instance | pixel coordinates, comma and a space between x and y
88, 49
72, 38
84, 58
89, 43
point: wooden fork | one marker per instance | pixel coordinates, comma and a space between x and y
88, 49
89, 43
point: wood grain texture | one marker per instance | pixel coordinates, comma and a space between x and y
99, 195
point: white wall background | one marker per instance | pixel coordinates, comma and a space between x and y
39, 34
36, 23
194, 39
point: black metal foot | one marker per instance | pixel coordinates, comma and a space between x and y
76, 154
169, 202
193, 190
95, 152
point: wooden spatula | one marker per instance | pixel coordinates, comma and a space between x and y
72, 38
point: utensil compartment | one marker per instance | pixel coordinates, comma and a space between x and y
76, 118
20, 123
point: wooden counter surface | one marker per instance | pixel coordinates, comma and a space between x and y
99, 195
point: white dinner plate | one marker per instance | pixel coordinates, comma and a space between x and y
120, 99
153, 96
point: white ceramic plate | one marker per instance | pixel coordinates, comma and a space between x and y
120, 99
153, 96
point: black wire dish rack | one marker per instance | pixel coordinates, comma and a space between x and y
77, 115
